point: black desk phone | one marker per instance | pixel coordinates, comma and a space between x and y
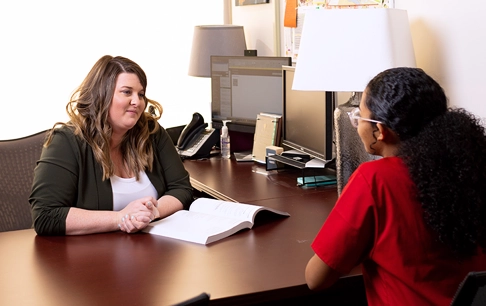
196, 141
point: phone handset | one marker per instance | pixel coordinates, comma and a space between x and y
196, 141
191, 131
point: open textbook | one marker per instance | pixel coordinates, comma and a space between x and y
208, 220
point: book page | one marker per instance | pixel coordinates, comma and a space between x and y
196, 227
239, 211
208, 220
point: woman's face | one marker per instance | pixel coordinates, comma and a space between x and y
366, 129
128, 103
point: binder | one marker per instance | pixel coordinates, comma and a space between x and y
267, 133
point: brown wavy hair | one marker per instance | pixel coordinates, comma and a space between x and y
88, 111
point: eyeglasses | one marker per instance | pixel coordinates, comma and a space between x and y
354, 117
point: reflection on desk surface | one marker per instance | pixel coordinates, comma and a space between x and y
245, 156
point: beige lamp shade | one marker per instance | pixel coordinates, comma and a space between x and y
343, 49
214, 40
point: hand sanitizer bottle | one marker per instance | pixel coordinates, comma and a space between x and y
225, 141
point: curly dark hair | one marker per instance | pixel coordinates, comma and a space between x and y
443, 149
405, 99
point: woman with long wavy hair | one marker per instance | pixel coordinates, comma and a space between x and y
415, 219
111, 166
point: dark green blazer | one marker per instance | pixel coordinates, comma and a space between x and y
67, 175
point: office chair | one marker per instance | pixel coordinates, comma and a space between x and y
175, 132
18, 158
471, 291
350, 152
199, 300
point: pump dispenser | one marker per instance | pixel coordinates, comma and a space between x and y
225, 141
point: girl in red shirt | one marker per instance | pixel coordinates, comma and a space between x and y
415, 219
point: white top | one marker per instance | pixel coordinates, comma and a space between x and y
126, 190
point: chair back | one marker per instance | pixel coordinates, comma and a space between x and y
350, 152
471, 291
175, 132
18, 158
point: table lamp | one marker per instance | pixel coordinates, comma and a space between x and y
214, 40
341, 50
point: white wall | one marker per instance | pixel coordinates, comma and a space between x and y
262, 24
47, 48
448, 38
449, 44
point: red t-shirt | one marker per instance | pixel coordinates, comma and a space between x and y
377, 222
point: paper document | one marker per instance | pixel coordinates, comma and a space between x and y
315, 163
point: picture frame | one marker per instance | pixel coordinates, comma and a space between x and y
250, 2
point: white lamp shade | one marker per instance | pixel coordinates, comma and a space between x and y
214, 40
343, 49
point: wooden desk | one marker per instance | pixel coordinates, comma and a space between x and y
248, 182
264, 265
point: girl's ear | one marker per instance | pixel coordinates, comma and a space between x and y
385, 134
380, 133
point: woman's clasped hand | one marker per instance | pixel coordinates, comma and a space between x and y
138, 214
